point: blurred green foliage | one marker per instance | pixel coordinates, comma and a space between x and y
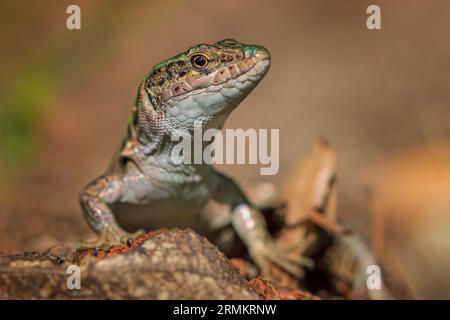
39, 62
23, 107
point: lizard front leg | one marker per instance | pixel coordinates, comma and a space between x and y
251, 228
95, 200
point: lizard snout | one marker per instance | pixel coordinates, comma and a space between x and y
259, 52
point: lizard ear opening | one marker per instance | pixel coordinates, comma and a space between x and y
144, 99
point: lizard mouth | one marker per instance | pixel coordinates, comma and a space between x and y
228, 78
260, 68
210, 97
221, 97
250, 64
255, 65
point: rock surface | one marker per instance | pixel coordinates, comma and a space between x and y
165, 264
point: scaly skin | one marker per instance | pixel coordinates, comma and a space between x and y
143, 188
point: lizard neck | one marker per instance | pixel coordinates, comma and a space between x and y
155, 129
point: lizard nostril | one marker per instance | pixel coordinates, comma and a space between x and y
259, 52
250, 51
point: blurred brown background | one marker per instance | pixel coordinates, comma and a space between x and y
381, 97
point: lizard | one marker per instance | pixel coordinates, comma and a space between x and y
143, 188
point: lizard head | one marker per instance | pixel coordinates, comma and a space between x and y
206, 82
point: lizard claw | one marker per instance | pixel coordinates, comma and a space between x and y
273, 254
110, 237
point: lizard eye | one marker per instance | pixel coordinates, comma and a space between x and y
199, 61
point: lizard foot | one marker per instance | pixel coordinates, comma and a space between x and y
273, 254
110, 237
